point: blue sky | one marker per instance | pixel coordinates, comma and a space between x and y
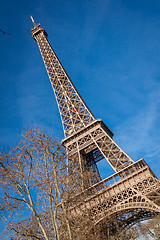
111, 51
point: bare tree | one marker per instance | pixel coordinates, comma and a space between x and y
4, 32
33, 177
39, 190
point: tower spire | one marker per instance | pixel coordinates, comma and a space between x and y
33, 21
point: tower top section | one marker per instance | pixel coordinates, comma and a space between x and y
74, 112
37, 29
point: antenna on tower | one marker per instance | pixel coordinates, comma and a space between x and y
33, 21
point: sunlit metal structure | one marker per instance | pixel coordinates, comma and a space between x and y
131, 194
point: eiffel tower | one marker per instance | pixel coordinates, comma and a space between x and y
128, 196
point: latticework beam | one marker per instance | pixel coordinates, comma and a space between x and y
74, 112
132, 193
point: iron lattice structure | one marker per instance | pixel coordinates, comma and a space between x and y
135, 192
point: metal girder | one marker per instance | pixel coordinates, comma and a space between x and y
74, 112
81, 129
114, 197
97, 137
128, 196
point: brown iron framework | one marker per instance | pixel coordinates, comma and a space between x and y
135, 193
